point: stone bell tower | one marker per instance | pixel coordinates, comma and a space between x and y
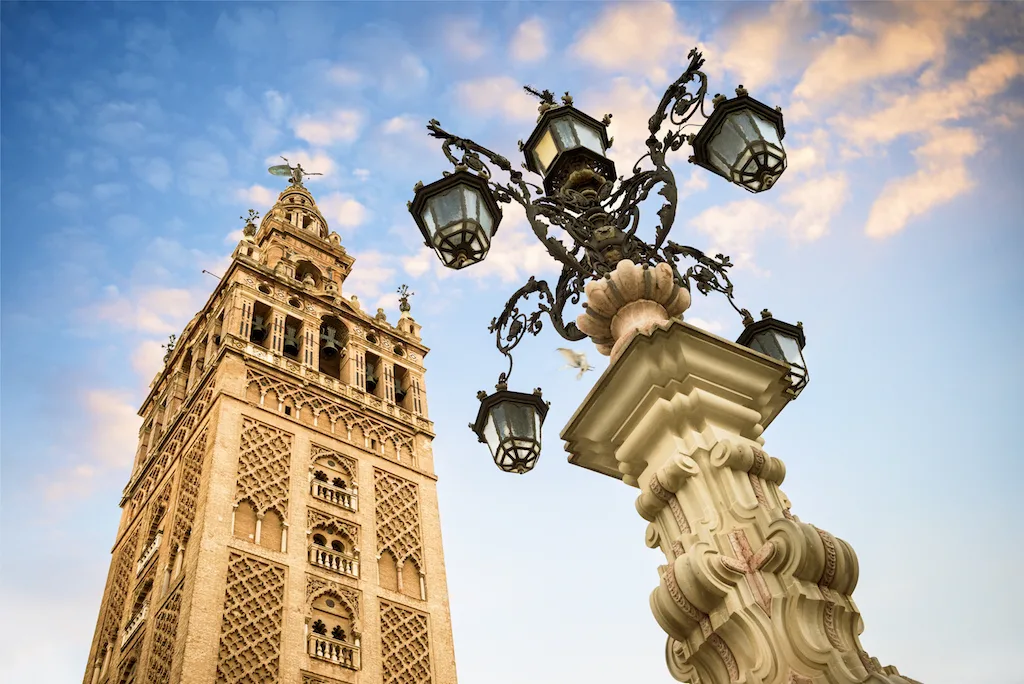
280, 523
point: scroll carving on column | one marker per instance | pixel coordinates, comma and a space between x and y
398, 519
263, 467
165, 631
250, 641
405, 645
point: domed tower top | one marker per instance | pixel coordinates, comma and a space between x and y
295, 205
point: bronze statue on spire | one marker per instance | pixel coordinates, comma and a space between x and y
294, 173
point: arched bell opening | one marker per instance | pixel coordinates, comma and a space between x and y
373, 382
292, 347
262, 319
333, 341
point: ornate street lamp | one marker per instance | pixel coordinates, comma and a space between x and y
580, 194
742, 142
509, 423
457, 216
779, 340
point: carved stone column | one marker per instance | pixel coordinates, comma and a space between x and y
749, 593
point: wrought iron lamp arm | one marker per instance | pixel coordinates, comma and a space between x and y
512, 325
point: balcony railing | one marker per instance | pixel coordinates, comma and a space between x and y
148, 553
334, 651
135, 623
332, 560
346, 498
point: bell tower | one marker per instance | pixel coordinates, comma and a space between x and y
280, 523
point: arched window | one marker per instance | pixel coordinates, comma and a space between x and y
307, 268
319, 540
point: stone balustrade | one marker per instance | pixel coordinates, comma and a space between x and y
334, 651
332, 560
346, 498
135, 623
148, 553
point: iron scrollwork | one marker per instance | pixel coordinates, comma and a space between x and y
599, 218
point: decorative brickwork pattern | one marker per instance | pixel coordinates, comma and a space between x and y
170, 449
405, 645
263, 467
332, 524
341, 419
398, 518
123, 572
165, 631
317, 587
188, 492
345, 463
250, 642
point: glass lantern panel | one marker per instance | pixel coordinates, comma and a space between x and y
744, 123
563, 129
790, 349
521, 420
486, 220
491, 433
447, 206
765, 343
544, 151
719, 163
768, 132
428, 219
472, 199
588, 137
727, 144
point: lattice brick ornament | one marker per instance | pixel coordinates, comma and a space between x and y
165, 631
398, 518
188, 492
250, 642
124, 571
405, 645
263, 467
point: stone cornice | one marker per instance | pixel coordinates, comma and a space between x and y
674, 372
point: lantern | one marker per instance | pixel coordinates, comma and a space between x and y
566, 142
742, 142
781, 341
509, 423
457, 215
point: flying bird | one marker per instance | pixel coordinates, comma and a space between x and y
575, 360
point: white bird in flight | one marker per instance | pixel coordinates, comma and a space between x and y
575, 360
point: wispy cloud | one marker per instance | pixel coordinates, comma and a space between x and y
941, 176
497, 96
530, 41
339, 126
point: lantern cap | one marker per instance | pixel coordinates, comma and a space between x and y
753, 328
501, 394
556, 112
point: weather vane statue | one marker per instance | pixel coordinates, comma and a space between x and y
294, 173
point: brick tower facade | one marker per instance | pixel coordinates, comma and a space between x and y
281, 521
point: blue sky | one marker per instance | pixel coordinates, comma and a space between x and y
134, 135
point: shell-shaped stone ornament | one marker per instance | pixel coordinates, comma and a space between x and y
632, 299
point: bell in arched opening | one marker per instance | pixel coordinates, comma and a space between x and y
259, 329
329, 343
291, 341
